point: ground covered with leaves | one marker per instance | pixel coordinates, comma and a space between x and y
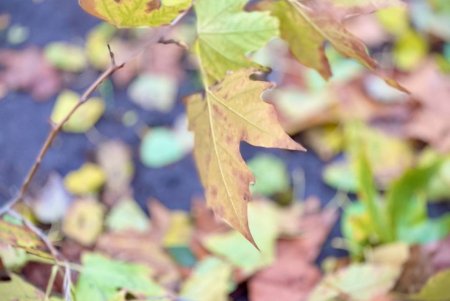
116, 211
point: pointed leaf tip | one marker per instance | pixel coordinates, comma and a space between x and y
232, 111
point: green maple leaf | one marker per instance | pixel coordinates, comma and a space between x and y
226, 34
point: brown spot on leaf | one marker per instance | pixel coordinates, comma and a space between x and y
218, 111
151, 5
214, 191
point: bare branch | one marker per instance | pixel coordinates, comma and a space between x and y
56, 128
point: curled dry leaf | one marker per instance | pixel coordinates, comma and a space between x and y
231, 112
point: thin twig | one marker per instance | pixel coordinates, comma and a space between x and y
51, 283
56, 128
67, 282
36, 231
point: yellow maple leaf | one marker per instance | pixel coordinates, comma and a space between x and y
136, 13
231, 112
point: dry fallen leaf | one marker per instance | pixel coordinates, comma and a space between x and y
431, 122
84, 221
88, 179
356, 282
28, 70
114, 157
52, 201
19, 236
84, 118
160, 220
264, 220
138, 247
440, 257
293, 275
231, 112
210, 281
157, 59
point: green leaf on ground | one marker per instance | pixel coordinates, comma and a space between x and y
210, 281
127, 215
339, 175
102, 277
154, 92
264, 225
357, 282
161, 147
271, 175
